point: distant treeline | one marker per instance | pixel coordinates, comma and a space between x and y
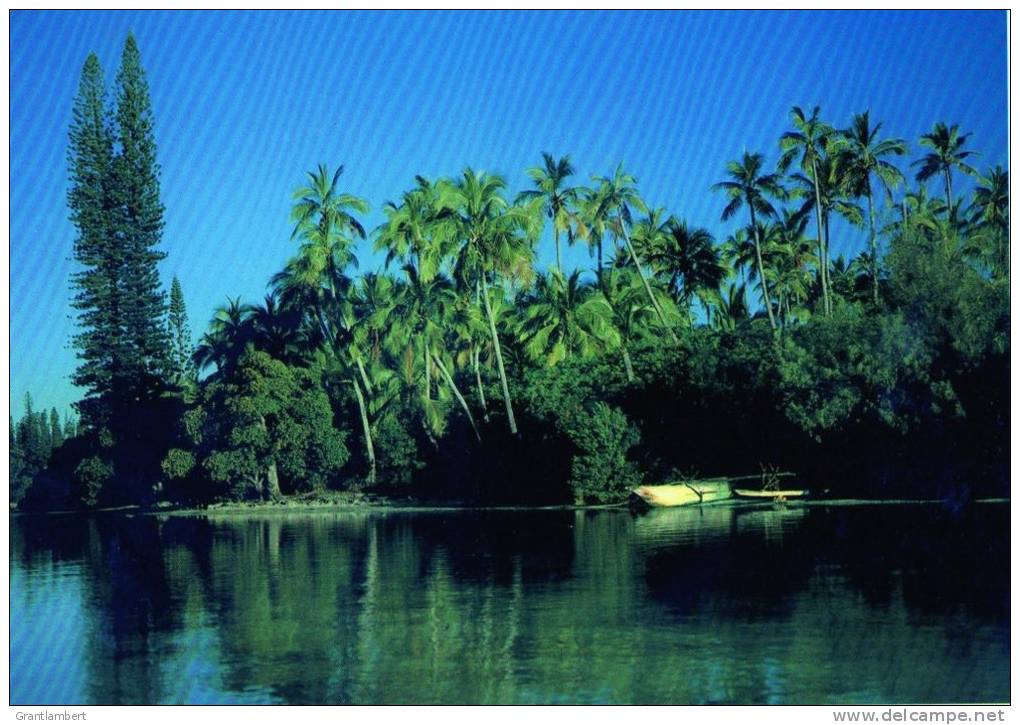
463, 372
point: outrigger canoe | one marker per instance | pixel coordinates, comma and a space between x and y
683, 494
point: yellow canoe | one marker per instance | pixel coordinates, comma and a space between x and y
752, 493
683, 494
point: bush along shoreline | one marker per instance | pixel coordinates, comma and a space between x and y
464, 372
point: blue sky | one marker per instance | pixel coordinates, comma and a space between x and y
245, 103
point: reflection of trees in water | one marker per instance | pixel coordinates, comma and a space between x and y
706, 605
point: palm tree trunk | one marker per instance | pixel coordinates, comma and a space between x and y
825, 268
363, 373
648, 288
458, 396
556, 237
499, 357
475, 355
367, 430
598, 271
949, 194
761, 269
874, 250
428, 371
627, 363
822, 251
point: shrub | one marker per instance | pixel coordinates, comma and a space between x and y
600, 471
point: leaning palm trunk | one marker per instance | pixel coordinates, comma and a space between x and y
367, 430
823, 251
874, 250
648, 288
761, 270
457, 395
428, 371
499, 356
475, 355
627, 363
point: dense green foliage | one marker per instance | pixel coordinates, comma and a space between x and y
264, 430
464, 372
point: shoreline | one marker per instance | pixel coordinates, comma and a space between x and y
382, 504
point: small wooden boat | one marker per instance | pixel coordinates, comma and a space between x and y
683, 494
759, 494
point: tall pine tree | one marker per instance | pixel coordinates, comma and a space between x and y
138, 224
181, 348
123, 344
97, 286
56, 432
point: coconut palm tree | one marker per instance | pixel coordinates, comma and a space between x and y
592, 223
989, 211
688, 259
730, 306
559, 317
787, 256
229, 334
862, 156
495, 239
416, 231
807, 143
618, 196
321, 203
278, 330
834, 201
631, 314
946, 144
556, 197
422, 306
749, 185
315, 281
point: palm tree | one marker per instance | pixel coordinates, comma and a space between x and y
990, 213
808, 142
316, 282
495, 239
416, 231
558, 318
834, 200
278, 330
946, 144
730, 305
631, 314
618, 195
687, 257
788, 254
228, 336
592, 219
862, 156
422, 307
321, 203
749, 185
555, 197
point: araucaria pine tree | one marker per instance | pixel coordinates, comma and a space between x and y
138, 224
97, 286
115, 205
181, 366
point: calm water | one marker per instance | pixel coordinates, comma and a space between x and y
847, 604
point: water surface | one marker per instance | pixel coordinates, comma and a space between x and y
819, 604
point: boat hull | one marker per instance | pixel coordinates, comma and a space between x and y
682, 494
